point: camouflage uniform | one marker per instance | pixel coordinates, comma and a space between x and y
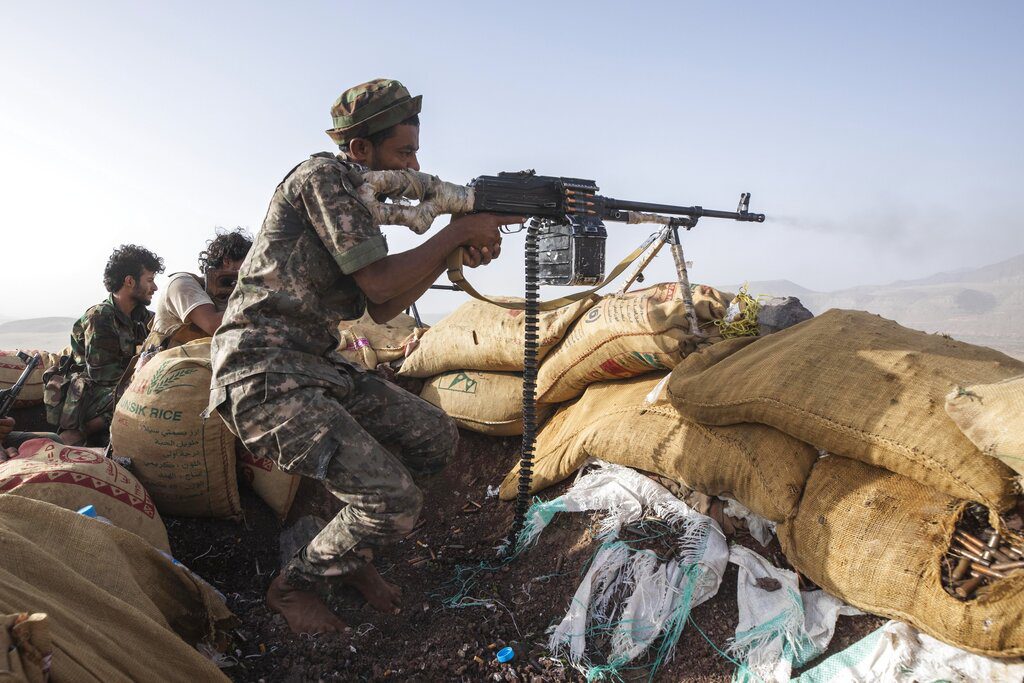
281, 388
103, 343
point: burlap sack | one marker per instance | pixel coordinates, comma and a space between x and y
72, 478
860, 386
185, 462
276, 487
26, 648
485, 402
759, 466
625, 336
11, 368
992, 417
366, 343
117, 609
482, 336
876, 539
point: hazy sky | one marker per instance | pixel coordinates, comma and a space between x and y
883, 140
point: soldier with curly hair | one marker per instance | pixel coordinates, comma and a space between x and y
79, 392
192, 306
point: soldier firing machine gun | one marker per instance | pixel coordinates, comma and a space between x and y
565, 245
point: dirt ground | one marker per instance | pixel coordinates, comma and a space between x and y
461, 527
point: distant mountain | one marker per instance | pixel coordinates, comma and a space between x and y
41, 325
980, 305
774, 287
996, 272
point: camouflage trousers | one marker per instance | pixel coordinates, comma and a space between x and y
73, 401
361, 436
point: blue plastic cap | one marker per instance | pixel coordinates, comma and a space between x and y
88, 511
505, 654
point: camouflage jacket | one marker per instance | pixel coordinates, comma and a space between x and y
295, 285
104, 339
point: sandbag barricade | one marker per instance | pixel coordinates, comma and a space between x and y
186, 462
857, 385
72, 478
992, 417
762, 468
876, 539
117, 609
485, 402
482, 336
626, 335
11, 368
366, 343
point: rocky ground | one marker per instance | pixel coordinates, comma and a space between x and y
512, 604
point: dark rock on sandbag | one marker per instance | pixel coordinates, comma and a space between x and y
779, 312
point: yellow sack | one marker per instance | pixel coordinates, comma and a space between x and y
187, 463
276, 487
626, 335
857, 385
366, 343
992, 417
117, 609
485, 402
482, 336
877, 539
630, 423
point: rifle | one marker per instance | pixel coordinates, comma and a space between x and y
9, 396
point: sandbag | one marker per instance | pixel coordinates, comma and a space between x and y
626, 335
117, 609
72, 478
992, 417
759, 466
11, 368
857, 385
485, 402
482, 336
366, 343
876, 539
276, 487
187, 463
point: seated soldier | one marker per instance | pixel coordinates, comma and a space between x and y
192, 306
79, 391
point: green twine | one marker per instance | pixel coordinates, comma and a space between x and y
746, 325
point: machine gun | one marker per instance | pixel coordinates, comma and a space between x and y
565, 245
9, 396
571, 233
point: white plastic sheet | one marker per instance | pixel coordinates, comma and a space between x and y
780, 626
899, 653
631, 592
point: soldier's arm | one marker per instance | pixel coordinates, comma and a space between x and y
391, 282
206, 317
104, 363
190, 303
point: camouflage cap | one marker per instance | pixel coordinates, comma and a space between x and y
370, 108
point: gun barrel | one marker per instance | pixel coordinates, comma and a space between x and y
618, 205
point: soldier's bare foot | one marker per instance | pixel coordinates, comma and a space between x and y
304, 611
72, 437
383, 596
